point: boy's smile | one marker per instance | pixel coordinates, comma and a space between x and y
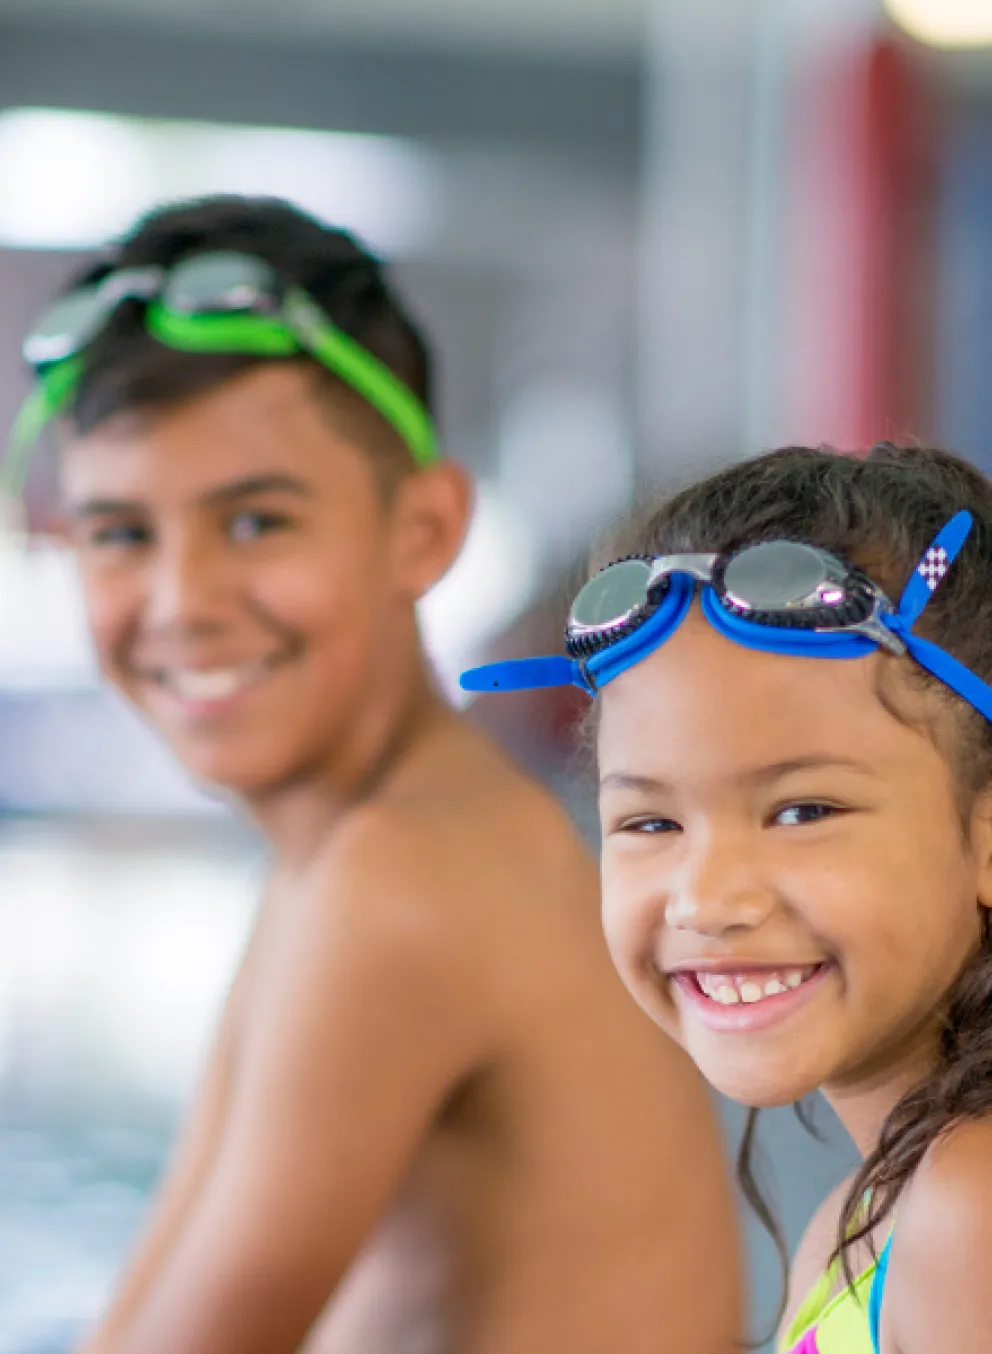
787, 887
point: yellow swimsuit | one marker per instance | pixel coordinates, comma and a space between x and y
844, 1324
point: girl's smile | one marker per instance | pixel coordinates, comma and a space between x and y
734, 999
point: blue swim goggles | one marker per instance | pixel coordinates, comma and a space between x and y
777, 596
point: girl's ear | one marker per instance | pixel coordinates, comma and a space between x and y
981, 841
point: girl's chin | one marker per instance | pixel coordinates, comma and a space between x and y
761, 1089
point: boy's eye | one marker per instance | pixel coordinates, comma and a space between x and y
121, 535
249, 526
798, 815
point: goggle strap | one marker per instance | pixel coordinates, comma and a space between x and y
304, 327
674, 606
952, 673
46, 401
252, 334
776, 639
933, 567
524, 674
358, 368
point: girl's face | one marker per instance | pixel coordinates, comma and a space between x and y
787, 887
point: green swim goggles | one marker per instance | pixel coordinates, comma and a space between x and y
209, 303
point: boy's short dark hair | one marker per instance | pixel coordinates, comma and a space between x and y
127, 370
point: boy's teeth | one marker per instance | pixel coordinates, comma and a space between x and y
728, 990
215, 684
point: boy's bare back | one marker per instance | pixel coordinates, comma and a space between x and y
428, 1062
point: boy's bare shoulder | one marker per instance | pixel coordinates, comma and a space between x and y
460, 859
455, 828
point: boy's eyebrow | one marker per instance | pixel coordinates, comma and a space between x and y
761, 775
275, 483
224, 493
100, 507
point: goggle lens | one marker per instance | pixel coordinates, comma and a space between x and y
774, 575
222, 282
612, 595
66, 326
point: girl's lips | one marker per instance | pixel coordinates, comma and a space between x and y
744, 1017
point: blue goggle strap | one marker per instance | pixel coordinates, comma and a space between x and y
778, 639
933, 567
952, 673
524, 674
923, 583
609, 663
527, 674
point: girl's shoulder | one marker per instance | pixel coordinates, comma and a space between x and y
808, 1274
952, 1186
939, 1294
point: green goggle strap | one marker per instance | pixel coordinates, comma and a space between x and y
304, 327
52, 391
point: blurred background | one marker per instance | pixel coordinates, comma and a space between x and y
649, 237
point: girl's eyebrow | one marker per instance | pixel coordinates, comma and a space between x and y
760, 775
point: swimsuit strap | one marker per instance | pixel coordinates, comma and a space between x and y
876, 1293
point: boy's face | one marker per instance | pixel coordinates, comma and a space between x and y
787, 886
247, 586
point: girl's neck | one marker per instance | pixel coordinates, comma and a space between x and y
864, 1101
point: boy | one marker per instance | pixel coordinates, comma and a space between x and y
432, 1120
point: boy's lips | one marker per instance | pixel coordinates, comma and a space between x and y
746, 997
205, 689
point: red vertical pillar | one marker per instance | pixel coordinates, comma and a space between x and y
860, 285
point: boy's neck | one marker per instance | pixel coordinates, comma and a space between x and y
297, 815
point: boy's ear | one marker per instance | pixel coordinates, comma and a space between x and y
430, 516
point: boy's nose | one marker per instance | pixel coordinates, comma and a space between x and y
187, 585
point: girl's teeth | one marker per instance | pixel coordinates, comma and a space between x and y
729, 991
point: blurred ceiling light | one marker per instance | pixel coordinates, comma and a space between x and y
945, 23
72, 180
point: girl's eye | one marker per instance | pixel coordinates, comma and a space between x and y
249, 526
799, 815
649, 826
121, 535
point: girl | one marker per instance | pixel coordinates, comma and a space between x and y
797, 850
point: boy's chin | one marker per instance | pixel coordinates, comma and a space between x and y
244, 773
